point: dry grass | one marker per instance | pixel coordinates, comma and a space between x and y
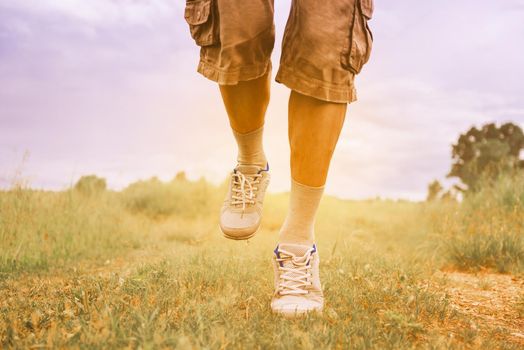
486, 230
133, 269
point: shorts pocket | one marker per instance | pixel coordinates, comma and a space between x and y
366, 6
202, 19
358, 46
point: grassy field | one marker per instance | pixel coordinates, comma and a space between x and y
143, 269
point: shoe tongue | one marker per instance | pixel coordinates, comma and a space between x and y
297, 249
248, 169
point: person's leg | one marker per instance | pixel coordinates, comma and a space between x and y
325, 45
246, 104
236, 40
314, 128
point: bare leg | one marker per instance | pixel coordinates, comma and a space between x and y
246, 103
314, 128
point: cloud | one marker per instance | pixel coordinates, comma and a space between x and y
98, 12
110, 87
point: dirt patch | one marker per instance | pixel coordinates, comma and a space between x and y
494, 301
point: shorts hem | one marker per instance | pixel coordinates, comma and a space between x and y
232, 76
314, 88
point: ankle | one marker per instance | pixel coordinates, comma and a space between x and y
253, 159
296, 240
298, 228
304, 236
250, 147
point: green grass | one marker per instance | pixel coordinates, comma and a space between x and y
217, 295
143, 269
39, 229
486, 230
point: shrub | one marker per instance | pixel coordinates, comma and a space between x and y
91, 185
487, 229
41, 229
179, 197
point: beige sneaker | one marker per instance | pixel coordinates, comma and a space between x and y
297, 282
242, 209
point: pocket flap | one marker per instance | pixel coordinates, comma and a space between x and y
197, 12
367, 8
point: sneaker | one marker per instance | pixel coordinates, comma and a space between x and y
242, 209
297, 281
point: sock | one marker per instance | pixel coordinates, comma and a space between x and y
250, 149
300, 221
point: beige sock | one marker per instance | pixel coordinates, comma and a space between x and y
250, 148
300, 220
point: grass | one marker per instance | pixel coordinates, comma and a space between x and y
142, 269
43, 229
186, 299
486, 231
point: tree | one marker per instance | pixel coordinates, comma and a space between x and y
91, 184
486, 152
434, 190
449, 195
181, 176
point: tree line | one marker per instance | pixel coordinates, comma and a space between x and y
480, 155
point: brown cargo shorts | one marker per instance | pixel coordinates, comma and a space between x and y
326, 43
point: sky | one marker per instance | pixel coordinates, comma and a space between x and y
110, 88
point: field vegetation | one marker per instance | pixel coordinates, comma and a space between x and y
146, 267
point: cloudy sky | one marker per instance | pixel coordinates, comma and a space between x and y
110, 87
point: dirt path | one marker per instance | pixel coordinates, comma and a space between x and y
492, 300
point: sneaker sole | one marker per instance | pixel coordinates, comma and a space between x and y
239, 238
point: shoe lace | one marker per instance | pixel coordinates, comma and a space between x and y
244, 188
295, 273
